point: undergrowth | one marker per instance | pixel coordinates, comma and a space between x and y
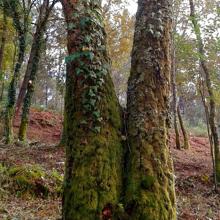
30, 180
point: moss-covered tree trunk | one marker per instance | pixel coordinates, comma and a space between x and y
93, 141
21, 26
186, 144
150, 193
212, 104
2, 48
3, 40
32, 67
12, 90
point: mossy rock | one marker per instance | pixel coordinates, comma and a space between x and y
29, 179
35, 181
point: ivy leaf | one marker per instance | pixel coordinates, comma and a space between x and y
96, 114
78, 71
71, 26
85, 21
72, 57
87, 39
91, 55
92, 102
83, 122
97, 129
91, 93
87, 107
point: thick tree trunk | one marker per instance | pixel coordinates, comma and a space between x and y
93, 141
183, 129
150, 190
30, 75
212, 105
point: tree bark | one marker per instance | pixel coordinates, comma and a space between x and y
174, 91
183, 129
12, 90
3, 40
2, 48
202, 93
2, 90
31, 72
212, 105
35, 48
21, 28
150, 190
93, 179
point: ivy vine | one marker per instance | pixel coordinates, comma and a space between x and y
92, 67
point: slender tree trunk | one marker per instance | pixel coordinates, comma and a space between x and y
93, 142
150, 190
212, 105
12, 90
26, 79
30, 76
174, 90
35, 48
183, 129
21, 28
2, 48
3, 40
46, 93
202, 93
2, 90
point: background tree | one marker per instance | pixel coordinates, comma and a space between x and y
212, 105
20, 12
120, 29
7, 50
32, 67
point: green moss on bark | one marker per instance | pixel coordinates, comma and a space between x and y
10, 107
93, 176
150, 193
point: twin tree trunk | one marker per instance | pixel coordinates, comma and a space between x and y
150, 181
93, 170
94, 154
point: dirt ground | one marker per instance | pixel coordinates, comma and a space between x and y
196, 199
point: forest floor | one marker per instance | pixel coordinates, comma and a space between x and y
19, 199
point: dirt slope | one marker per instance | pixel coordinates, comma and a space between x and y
44, 126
